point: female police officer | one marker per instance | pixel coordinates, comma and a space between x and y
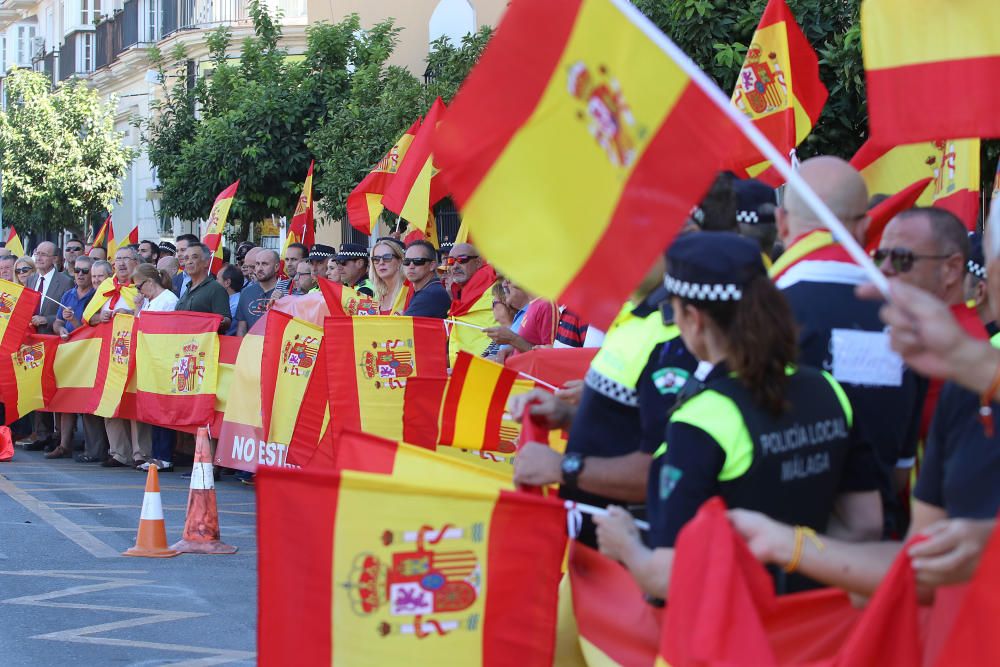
760, 432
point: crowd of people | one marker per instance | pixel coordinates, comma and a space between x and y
752, 363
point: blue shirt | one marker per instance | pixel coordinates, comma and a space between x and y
71, 299
234, 302
431, 301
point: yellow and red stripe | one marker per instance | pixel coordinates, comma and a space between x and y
13, 243
475, 403
27, 376
291, 349
369, 361
417, 186
17, 306
922, 59
78, 365
579, 113
302, 228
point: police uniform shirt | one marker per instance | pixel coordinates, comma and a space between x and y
960, 472
887, 409
791, 467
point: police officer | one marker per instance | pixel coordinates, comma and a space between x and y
353, 261
762, 433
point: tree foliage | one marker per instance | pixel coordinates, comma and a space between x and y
60, 155
262, 117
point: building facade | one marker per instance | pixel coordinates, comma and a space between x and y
106, 42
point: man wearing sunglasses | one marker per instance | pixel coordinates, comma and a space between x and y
929, 248
839, 332
73, 249
352, 258
471, 300
429, 296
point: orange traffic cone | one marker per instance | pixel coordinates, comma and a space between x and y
201, 528
151, 542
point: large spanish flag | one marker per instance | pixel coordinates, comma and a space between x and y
217, 224
369, 360
116, 367
778, 87
360, 570
929, 67
364, 204
13, 243
417, 187
177, 359
581, 112
77, 367
27, 377
291, 348
952, 164
17, 305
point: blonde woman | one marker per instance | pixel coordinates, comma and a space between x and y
24, 270
386, 274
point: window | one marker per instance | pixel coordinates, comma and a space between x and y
3, 55
87, 53
25, 37
453, 19
152, 13
90, 11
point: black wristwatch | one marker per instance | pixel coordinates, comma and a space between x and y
572, 466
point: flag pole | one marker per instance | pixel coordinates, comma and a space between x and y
593, 510
770, 153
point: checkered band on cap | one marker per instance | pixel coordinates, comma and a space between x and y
703, 291
347, 253
607, 387
747, 217
976, 269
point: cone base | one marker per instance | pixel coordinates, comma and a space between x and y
149, 553
213, 547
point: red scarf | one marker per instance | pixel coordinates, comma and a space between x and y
116, 292
464, 297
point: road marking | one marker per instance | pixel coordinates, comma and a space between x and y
81, 537
212, 656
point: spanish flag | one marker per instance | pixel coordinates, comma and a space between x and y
583, 113
302, 228
952, 164
930, 67
416, 188
722, 610
475, 403
361, 569
98, 240
778, 87
177, 359
17, 305
364, 452
369, 360
14, 243
27, 379
310, 435
110, 291
77, 366
344, 301
364, 204
291, 348
116, 367
113, 240
217, 224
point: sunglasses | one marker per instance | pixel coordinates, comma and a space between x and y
23, 269
416, 261
81, 271
378, 259
461, 259
138, 286
901, 259
74, 249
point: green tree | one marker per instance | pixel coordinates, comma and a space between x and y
60, 156
382, 102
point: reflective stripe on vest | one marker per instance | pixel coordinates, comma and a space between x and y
616, 369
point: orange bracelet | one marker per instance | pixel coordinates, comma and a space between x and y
985, 409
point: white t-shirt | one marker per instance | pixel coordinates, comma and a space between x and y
164, 302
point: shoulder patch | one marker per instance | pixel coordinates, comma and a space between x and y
669, 478
670, 380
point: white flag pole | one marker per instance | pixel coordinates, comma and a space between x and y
761, 142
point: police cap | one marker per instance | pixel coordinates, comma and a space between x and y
976, 265
712, 267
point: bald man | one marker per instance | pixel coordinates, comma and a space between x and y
255, 297
842, 334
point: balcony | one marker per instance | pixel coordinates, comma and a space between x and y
74, 59
49, 64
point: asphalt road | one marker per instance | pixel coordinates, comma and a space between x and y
67, 596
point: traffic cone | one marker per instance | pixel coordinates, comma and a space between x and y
151, 541
201, 527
